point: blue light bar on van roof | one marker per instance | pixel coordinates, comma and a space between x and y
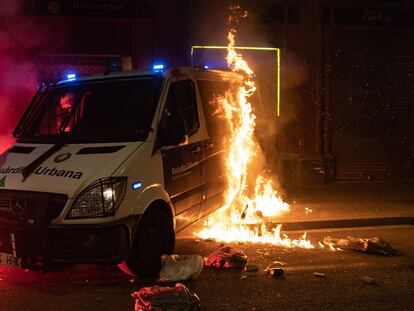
136, 185
158, 67
71, 76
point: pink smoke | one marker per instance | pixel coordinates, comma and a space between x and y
20, 37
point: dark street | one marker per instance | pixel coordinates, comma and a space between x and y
104, 288
182, 138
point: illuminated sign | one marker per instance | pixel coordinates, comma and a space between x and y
94, 8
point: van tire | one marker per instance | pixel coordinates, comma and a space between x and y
153, 238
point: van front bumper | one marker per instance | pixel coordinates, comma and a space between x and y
109, 243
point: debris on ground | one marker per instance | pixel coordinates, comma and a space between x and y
157, 298
319, 274
368, 280
264, 254
181, 267
243, 277
374, 245
276, 272
275, 264
227, 257
251, 268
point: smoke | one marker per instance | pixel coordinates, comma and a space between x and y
276, 135
21, 36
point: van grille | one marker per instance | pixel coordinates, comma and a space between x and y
31, 207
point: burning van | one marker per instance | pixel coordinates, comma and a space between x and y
105, 169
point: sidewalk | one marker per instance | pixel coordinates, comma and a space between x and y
342, 205
349, 205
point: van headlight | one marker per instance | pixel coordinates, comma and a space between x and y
100, 199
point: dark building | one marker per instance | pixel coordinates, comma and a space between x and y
347, 70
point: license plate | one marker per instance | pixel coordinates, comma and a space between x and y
9, 260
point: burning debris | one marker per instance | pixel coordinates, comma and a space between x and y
241, 218
245, 233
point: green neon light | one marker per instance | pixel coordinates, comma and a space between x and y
251, 48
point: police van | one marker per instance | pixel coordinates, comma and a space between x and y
107, 168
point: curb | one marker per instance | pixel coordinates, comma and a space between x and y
345, 223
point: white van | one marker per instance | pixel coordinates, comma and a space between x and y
107, 168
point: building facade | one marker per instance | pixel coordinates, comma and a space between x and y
347, 70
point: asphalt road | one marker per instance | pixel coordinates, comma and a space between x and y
105, 288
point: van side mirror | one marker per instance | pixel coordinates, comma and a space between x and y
175, 130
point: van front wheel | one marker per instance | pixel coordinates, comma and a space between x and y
154, 237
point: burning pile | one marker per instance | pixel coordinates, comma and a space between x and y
242, 216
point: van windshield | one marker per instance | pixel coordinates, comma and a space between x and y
111, 110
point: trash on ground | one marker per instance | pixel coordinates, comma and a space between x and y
264, 254
368, 280
319, 274
227, 257
276, 272
251, 268
181, 267
177, 298
274, 264
372, 245
243, 277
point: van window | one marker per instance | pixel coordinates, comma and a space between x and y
109, 111
212, 93
181, 100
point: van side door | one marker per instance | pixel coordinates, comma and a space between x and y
182, 163
215, 143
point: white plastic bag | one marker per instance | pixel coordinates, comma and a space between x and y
181, 267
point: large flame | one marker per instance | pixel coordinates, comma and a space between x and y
242, 218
